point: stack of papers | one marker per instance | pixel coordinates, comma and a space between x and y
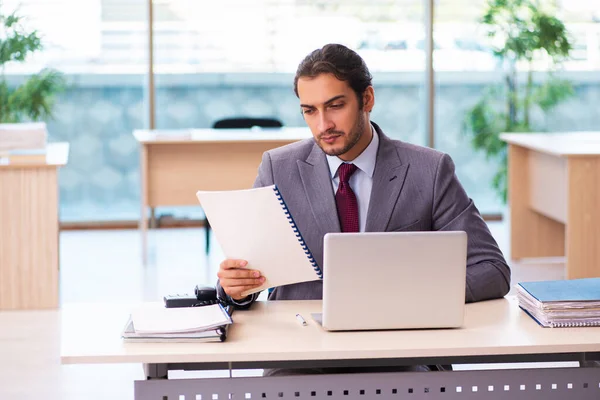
23, 136
154, 323
565, 303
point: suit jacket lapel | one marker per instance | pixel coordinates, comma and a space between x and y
316, 180
388, 180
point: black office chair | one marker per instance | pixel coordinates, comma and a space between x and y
240, 123
247, 122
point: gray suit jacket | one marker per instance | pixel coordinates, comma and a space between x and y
414, 189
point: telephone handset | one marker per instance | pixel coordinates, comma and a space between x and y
203, 296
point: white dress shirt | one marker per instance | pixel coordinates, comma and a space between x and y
361, 180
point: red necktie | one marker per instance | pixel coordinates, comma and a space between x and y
345, 199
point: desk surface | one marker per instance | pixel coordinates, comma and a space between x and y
57, 155
221, 135
559, 144
270, 332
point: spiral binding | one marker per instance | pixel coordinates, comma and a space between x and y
298, 234
574, 324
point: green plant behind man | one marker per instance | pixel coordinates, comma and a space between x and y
525, 32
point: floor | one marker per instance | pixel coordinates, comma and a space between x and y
105, 266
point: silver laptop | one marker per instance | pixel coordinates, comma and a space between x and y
394, 280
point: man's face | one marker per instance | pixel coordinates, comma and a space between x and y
331, 110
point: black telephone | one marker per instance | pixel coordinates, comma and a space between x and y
203, 296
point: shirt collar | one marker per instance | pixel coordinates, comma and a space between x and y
365, 161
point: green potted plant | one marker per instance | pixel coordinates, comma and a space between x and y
524, 33
33, 99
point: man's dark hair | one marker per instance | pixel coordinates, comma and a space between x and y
340, 61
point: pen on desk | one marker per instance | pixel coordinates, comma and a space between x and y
300, 319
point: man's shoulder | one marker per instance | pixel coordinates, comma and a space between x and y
293, 151
413, 153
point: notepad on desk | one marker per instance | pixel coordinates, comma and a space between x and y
153, 323
255, 225
562, 303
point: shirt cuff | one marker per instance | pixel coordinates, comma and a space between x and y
243, 302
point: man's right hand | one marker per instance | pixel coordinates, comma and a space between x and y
236, 279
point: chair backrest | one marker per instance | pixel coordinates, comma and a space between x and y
247, 122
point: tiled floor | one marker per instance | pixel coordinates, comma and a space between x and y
105, 266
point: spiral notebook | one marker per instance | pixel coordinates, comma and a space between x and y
562, 303
255, 225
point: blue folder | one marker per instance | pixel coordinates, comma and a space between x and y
587, 289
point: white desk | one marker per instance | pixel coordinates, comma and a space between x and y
175, 164
268, 336
554, 197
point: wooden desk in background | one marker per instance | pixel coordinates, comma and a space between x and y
29, 232
175, 164
554, 197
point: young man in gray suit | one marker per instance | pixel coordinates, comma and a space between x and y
351, 177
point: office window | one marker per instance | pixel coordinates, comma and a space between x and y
233, 58
210, 67
583, 20
238, 57
99, 46
464, 66
580, 112
466, 69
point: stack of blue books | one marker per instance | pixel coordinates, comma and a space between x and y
564, 303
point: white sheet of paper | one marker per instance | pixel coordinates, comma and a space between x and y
155, 320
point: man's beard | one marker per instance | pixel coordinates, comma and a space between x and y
355, 134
